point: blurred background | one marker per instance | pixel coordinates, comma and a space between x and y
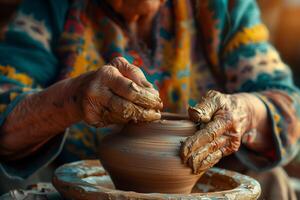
283, 20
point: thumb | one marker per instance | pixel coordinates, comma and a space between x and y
204, 111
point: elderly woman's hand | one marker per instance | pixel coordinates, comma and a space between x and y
117, 93
224, 120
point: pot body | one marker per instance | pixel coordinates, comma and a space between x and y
145, 157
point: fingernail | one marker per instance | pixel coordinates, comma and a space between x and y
198, 115
194, 114
157, 115
154, 115
195, 109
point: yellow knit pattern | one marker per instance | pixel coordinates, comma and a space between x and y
81, 63
254, 34
10, 72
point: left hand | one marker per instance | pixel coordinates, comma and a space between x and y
225, 119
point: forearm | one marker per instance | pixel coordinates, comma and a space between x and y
259, 134
37, 118
115, 93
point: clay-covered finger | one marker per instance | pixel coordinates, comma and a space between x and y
226, 150
204, 111
123, 111
131, 71
234, 145
208, 162
146, 97
206, 135
198, 156
129, 90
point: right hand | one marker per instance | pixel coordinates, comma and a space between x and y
117, 93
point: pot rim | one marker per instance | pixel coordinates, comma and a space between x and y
169, 121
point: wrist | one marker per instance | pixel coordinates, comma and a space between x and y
75, 88
63, 99
258, 111
248, 104
257, 136
69, 100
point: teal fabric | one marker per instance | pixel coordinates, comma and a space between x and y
246, 14
24, 53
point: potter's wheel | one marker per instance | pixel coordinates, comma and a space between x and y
89, 181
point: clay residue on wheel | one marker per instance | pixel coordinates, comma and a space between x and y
212, 182
70, 181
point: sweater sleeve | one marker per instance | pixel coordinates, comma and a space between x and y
237, 46
28, 64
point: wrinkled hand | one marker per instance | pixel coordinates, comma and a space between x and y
117, 93
224, 119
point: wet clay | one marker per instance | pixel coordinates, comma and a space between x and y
144, 157
87, 180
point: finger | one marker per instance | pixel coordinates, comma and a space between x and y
127, 89
123, 111
130, 71
211, 131
226, 150
209, 148
204, 111
234, 145
208, 162
133, 73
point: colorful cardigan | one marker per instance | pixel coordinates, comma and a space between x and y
197, 45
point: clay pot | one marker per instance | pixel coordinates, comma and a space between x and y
145, 158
